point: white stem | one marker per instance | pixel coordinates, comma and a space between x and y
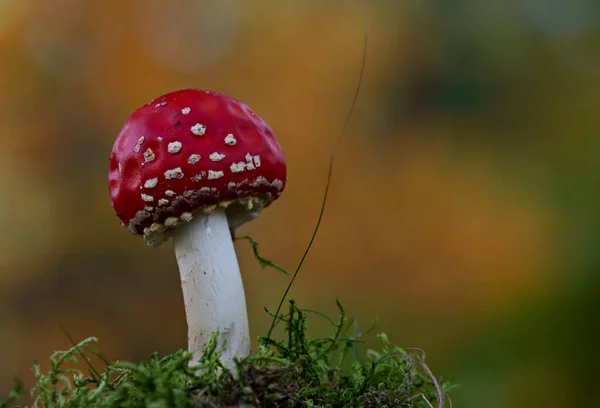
212, 286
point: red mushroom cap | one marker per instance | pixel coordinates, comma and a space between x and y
189, 151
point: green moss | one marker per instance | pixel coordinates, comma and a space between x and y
294, 372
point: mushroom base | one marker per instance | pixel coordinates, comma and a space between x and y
212, 285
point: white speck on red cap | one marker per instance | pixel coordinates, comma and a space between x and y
216, 156
198, 177
185, 111
278, 184
170, 193
207, 190
149, 155
230, 140
198, 129
163, 201
174, 147
260, 181
136, 148
194, 158
147, 198
252, 162
213, 175
151, 183
237, 167
175, 173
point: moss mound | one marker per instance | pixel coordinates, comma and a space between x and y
293, 372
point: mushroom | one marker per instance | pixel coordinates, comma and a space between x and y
194, 165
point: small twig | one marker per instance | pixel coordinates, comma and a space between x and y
355, 345
438, 390
426, 400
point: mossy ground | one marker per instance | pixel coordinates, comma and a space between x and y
294, 372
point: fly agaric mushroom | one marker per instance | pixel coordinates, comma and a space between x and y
194, 165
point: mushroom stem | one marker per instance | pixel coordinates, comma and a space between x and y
212, 286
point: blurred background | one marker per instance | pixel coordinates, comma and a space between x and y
465, 202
